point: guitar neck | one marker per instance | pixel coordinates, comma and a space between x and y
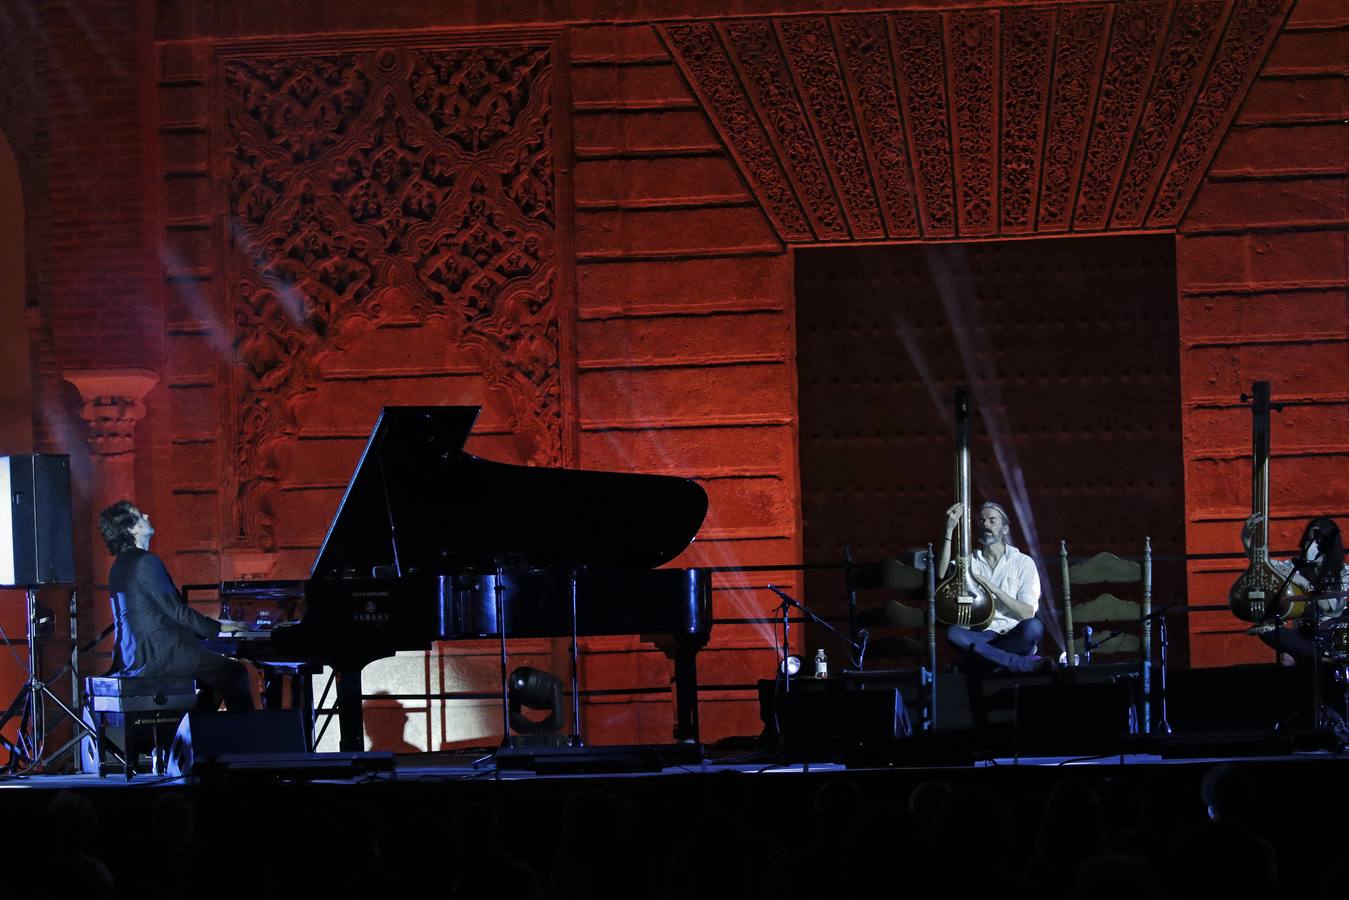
963, 476
1260, 408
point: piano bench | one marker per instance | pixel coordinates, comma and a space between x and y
135, 704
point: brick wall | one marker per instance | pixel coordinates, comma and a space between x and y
20, 127
1261, 269
678, 356
102, 291
684, 343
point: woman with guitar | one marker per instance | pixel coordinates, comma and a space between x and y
1010, 578
1318, 570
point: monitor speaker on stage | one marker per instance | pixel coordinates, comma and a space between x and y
213, 739
35, 521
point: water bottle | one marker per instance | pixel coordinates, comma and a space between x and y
821, 664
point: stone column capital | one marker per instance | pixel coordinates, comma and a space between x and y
113, 404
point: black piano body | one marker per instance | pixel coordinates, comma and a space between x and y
427, 536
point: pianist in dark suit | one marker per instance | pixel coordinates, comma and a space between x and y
158, 634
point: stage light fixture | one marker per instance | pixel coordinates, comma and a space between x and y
535, 689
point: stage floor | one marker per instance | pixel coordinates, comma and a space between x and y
628, 763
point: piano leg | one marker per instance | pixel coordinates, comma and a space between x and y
302, 698
349, 718
273, 681
686, 694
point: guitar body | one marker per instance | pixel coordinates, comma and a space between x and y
1261, 592
1256, 595
961, 601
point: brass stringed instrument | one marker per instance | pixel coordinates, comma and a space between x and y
1261, 592
960, 599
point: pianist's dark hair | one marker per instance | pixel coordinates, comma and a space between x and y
115, 524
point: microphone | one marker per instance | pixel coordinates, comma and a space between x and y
783, 594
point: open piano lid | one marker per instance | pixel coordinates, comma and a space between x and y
444, 511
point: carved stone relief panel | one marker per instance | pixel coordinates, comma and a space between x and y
974, 66
769, 81
1077, 58
1128, 66
810, 47
866, 47
1027, 45
392, 187
1250, 30
1189, 44
699, 49
1040, 119
921, 63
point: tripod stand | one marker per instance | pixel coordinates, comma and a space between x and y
26, 753
1318, 648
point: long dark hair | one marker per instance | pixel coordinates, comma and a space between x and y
115, 524
1324, 574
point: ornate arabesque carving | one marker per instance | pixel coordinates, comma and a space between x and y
1248, 33
1188, 45
810, 48
922, 72
1027, 36
389, 181
1075, 70
1128, 61
400, 186
474, 99
768, 78
973, 60
701, 54
302, 106
866, 49
1029, 118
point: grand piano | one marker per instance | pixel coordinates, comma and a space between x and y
427, 536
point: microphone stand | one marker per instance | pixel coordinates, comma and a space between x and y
856, 650
788, 601
1090, 643
1164, 726
786, 642
1094, 642
851, 588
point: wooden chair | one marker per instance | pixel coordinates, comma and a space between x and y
1106, 612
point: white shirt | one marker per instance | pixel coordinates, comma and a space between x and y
1015, 574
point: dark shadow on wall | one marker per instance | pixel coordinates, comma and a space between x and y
1070, 351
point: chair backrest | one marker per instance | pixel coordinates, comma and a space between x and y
1106, 610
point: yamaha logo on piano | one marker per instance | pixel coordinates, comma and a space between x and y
372, 614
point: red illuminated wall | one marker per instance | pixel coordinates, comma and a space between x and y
1261, 273
597, 245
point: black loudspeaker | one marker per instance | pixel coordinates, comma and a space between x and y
1080, 711
207, 739
35, 521
831, 716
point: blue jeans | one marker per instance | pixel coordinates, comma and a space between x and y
984, 651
